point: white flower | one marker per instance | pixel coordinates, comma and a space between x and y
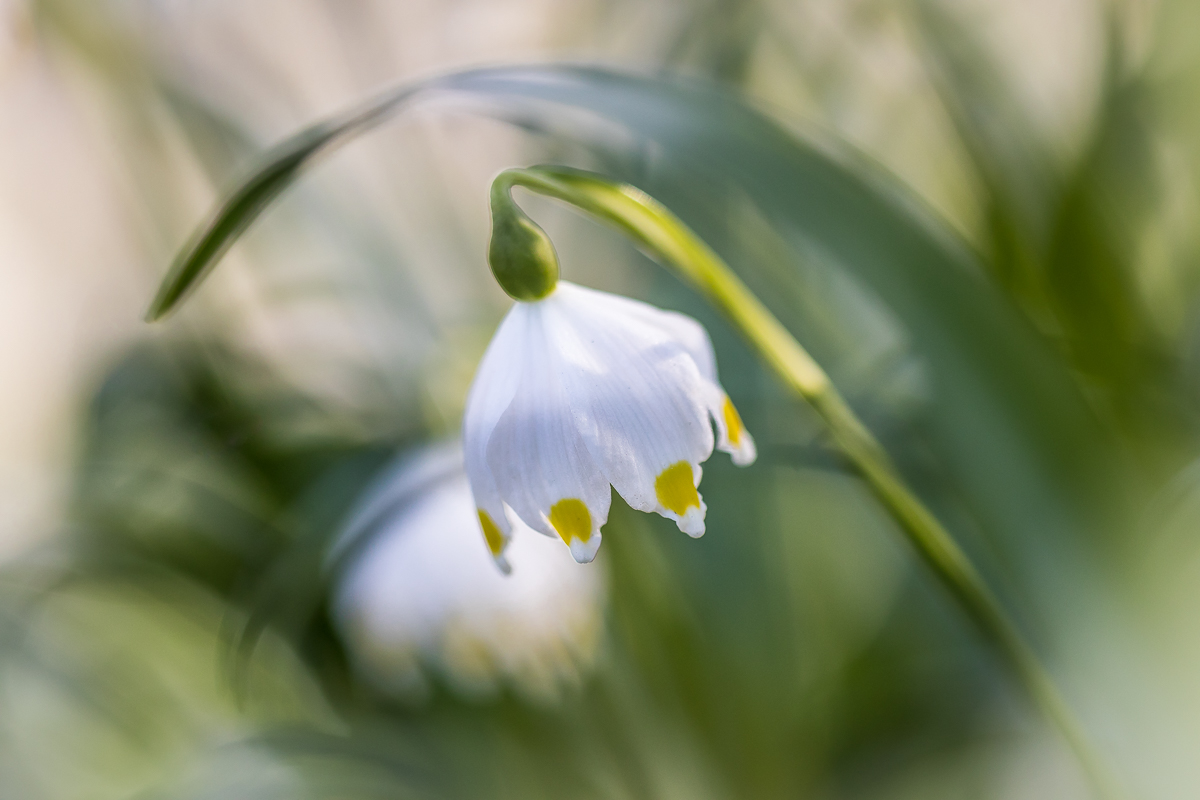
582, 390
420, 595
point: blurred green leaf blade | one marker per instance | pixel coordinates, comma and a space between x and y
1005, 414
279, 168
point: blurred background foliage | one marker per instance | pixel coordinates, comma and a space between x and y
981, 217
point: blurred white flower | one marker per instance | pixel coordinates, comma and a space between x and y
582, 390
419, 594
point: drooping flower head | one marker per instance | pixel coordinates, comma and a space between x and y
581, 390
417, 597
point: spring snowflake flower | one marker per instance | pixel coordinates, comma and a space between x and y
583, 390
417, 595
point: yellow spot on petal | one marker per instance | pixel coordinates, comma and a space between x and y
733, 423
571, 519
495, 539
675, 488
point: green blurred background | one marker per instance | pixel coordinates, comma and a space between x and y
982, 217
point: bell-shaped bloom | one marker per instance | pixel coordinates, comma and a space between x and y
584, 390
417, 597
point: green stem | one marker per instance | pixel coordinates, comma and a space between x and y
664, 237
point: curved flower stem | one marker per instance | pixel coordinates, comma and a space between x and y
664, 237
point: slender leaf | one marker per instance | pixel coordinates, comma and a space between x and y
1004, 415
280, 167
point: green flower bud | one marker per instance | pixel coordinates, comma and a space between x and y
520, 253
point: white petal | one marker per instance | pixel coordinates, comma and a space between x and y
680, 327
732, 436
640, 403
409, 476
491, 393
541, 465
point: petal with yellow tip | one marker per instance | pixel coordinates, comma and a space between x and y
678, 498
573, 522
733, 438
